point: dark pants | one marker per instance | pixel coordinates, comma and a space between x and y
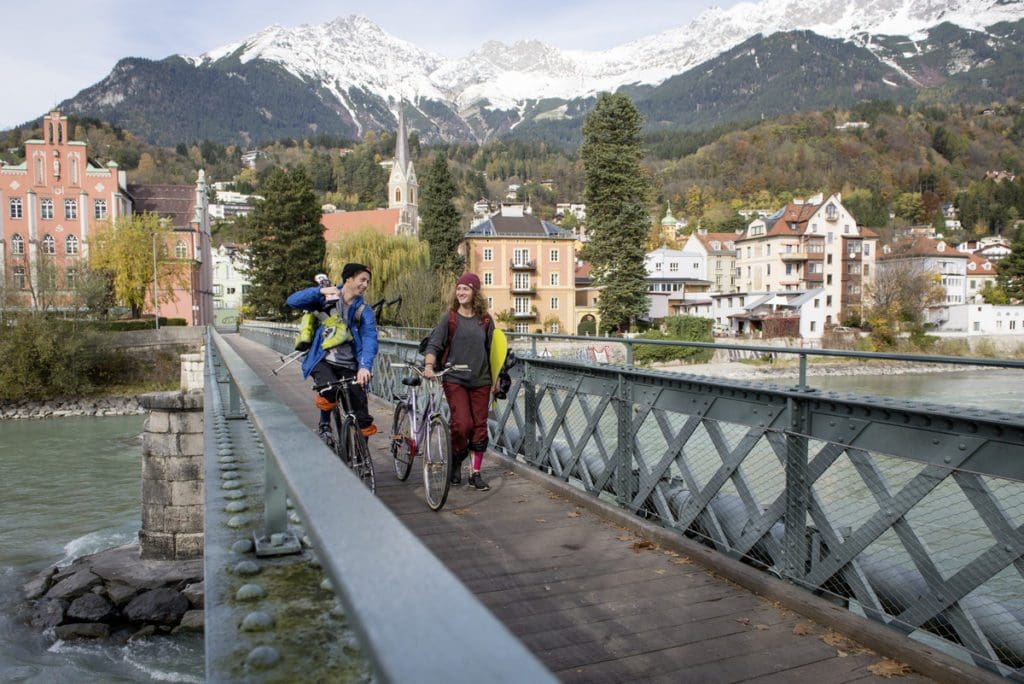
469, 407
324, 373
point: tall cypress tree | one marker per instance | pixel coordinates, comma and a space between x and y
617, 192
286, 241
439, 219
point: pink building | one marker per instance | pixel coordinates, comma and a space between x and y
49, 206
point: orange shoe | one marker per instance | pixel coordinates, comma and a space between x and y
370, 429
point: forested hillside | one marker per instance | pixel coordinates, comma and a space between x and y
892, 159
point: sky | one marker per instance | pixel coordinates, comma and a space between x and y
79, 43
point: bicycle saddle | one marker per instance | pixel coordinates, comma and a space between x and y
412, 382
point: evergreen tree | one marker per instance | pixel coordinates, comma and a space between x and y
439, 219
286, 241
1011, 270
616, 194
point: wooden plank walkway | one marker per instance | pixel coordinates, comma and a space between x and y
592, 600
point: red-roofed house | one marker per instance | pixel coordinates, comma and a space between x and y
979, 272
806, 245
719, 264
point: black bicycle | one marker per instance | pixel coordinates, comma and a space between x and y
347, 438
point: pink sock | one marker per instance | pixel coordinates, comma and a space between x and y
478, 459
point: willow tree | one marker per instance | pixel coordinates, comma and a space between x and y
400, 267
127, 250
616, 193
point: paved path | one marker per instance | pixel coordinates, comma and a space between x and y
594, 602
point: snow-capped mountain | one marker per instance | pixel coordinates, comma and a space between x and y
357, 73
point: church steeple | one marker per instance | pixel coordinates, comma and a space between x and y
402, 186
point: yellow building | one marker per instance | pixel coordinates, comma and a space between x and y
527, 270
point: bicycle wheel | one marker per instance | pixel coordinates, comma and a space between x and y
359, 454
437, 463
338, 435
403, 442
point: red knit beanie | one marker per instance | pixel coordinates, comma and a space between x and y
470, 279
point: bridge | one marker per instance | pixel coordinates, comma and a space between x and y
641, 526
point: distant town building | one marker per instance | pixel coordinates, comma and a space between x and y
527, 268
747, 313
230, 204
50, 206
935, 257
719, 258
230, 283
807, 245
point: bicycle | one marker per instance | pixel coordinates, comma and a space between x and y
349, 443
413, 430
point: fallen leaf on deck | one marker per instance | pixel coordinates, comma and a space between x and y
889, 668
761, 627
460, 511
841, 654
625, 537
802, 629
540, 520
743, 621
640, 545
660, 572
574, 514
682, 560
521, 500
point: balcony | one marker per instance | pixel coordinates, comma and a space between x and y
524, 289
793, 256
522, 265
524, 315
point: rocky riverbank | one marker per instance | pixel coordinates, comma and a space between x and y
115, 594
58, 408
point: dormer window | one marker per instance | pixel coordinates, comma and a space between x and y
831, 212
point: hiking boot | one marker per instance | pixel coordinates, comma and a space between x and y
324, 432
370, 429
477, 482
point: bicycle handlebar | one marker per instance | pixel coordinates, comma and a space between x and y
335, 383
449, 368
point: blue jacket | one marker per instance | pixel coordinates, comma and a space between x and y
364, 335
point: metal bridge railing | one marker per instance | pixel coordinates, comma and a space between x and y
414, 620
908, 513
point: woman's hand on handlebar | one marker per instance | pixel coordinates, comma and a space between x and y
428, 371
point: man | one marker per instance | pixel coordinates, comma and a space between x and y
344, 343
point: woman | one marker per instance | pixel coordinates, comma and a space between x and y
463, 336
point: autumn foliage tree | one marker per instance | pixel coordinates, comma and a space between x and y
124, 250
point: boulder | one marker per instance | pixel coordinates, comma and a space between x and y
38, 585
191, 621
80, 582
47, 613
120, 593
88, 630
89, 607
195, 593
158, 606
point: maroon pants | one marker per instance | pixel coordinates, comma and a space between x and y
469, 407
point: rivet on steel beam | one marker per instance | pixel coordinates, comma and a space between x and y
963, 447
234, 495
935, 442
262, 658
250, 592
257, 621
247, 567
242, 546
230, 475
237, 521
236, 507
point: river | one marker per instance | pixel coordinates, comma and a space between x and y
71, 486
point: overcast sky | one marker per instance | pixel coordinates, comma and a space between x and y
50, 51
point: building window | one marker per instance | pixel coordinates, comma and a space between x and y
15, 211
18, 279
521, 257
181, 250
673, 267
218, 290
521, 281
488, 278
99, 209
789, 269
17, 244
245, 288
554, 279
70, 276
828, 279
867, 249
490, 302
231, 290
828, 259
70, 209
554, 303
71, 244
554, 255
488, 254
49, 245
522, 328
867, 269
769, 270
522, 305
828, 300
814, 325
46, 208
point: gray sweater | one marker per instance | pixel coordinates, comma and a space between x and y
469, 346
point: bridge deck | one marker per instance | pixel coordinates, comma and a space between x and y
594, 602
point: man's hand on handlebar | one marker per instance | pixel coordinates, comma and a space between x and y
363, 377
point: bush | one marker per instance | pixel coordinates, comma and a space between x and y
135, 324
45, 358
679, 328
